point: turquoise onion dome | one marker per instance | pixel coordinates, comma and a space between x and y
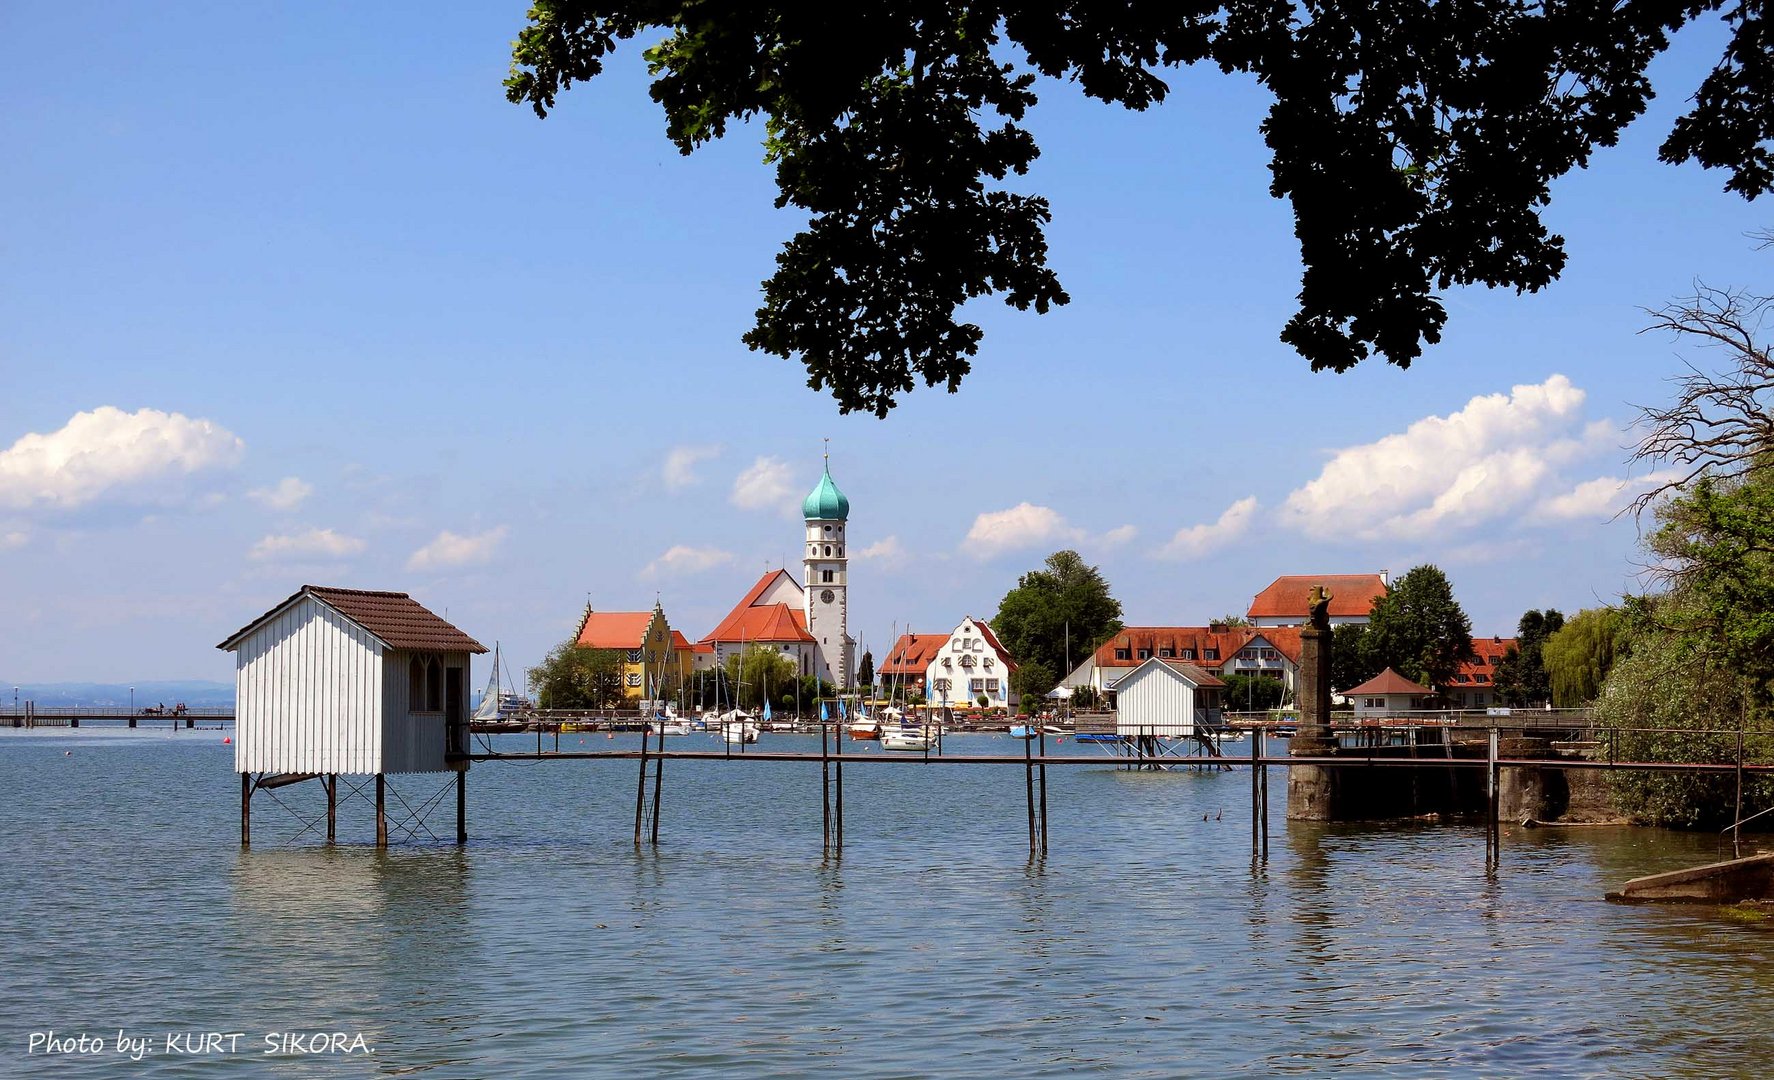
826, 502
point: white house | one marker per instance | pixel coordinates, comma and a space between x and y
1166, 698
969, 665
1387, 693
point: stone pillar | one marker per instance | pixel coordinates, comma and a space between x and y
1312, 790
1526, 793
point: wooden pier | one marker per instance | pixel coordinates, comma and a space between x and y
31, 715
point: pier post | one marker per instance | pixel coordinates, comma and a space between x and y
825, 792
381, 811
246, 811
1042, 770
1493, 832
658, 782
461, 804
640, 790
838, 778
332, 807
1029, 783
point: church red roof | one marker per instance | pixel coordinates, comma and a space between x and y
751, 621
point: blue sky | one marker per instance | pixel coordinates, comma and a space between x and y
290, 293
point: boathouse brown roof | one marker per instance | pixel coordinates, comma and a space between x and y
1352, 595
394, 618
1388, 682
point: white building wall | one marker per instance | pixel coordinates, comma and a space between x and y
1154, 700
308, 695
414, 739
967, 642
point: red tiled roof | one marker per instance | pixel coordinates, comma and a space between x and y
911, 654
766, 622
1285, 639
1199, 639
1490, 652
394, 618
1387, 682
614, 629
682, 643
1352, 595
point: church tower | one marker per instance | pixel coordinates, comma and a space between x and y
828, 577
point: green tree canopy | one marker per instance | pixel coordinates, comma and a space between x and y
759, 672
1419, 630
570, 677
1417, 143
1253, 693
1056, 615
1352, 657
1579, 655
1520, 678
865, 671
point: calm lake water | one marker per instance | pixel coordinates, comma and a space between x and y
1147, 943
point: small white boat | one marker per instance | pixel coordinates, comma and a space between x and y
669, 723
864, 727
1023, 731
905, 737
738, 726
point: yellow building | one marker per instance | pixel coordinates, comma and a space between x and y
653, 661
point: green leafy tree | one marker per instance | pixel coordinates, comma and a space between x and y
1419, 630
758, 672
1031, 682
1057, 615
865, 671
1417, 143
1521, 678
1232, 622
1253, 693
571, 677
1352, 657
1579, 656
1085, 697
1668, 701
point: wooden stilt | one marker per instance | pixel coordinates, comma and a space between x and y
1041, 771
825, 791
381, 811
1256, 795
462, 806
838, 811
1262, 751
640, 790
658, 782
1029, 786
332, 807
246, 811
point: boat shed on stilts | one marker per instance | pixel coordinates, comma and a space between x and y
349, 682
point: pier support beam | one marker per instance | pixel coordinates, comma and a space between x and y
462, 804
332, 807
246, 811
381, 811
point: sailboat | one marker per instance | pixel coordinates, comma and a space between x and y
500, 708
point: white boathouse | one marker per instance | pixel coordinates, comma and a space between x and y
347, 681
1166, 699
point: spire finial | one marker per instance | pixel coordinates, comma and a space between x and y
828, 453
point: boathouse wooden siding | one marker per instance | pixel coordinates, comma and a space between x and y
1165, 699
413, 739
307, 690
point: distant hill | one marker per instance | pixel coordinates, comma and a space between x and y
193, 692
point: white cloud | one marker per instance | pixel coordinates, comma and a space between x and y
313, 543
683, 559
130, 457
768, 484
1023, 525
16, 538
1194, 541
1484, 461
449, 550
1118, 536
1601, 498
286, 494
680, 464
887, 551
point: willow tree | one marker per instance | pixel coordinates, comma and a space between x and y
1417, 144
